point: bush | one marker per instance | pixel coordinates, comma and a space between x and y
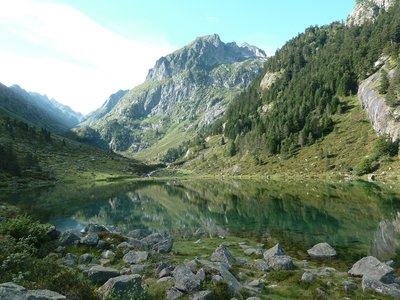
364, 167
385, 147
220, 290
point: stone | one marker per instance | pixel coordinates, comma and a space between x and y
192, 265
85, 258
222, 254
349, 286
91, 239
202, 295
323, 271
280, 262
261, 265
222, 268
216, 278
165, 246
255, 285
185, 279
307, 277
138, 268
390, 263
122, 287
199, 232
107, 254
164, 273
165, 279
201, 274
322, 292
104, 262
125, 271
101, 244
52, 233
95, 228
277, 250
70, 260
322, 250
135, 257
138, 233
68, 238
153, 239
100, 274
392, 289
174, 294
370, 267
12, 291
242, 261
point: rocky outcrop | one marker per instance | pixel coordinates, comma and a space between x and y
367, 10
384, 119
269, 79
12, 291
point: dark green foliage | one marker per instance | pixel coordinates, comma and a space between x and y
9, 160
365, 166
315, 69
232, 149
393, 92
384, 82
385, 147
220, 290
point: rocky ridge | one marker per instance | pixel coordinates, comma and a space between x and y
367, 10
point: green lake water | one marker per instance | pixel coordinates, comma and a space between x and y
356, 218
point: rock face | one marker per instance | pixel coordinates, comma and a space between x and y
370, 267
12, 291
322, 250
122, 287
190, 86
367, 10
384, 119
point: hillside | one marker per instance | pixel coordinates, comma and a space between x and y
185, 91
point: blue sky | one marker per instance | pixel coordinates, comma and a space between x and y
79, 52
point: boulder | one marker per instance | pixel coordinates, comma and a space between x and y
138, 233
164, 273
85, 258
135, 244
322, 250
261, 265
349, 286
99, 274
52, 233
185, 279
370, 267
280, 262
138, 268
199, 232
277, 250
392, 289
166, 279
68, 238
107, 254
165, 246
12, 291
122, 287
135, 257
70, 260
202, 295
222, 254
96, 228
91, 239
307, 277
222, 269
174, 294
153, 239
201, 274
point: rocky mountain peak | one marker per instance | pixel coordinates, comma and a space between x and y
204, 53
367, 10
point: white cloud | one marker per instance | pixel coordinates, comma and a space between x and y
65, 54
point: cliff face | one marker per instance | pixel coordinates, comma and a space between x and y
367, 10
384, 119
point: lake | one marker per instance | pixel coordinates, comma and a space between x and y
356, 218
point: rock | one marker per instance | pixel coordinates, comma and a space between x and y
138, 233
222, 268
280, 262
223, 255
85, 258
261, 265
96, 228
164, 273
255, 285
101, 244
125, 271
91, 239
135, 244
202, 295
153, 239
70, 260
165, 279
104, 262
392, 289
199, 232
322, 250
201, 274
107, 254
174, 294
349, 286
216, 278
52, 233
277, 250
99, 274
371, 177
12, 291
138, 268
160, 267
323, 271
165, 246
370, 267
68, 238
253, 298
84, 269
322, 292
192, 265
185, 279
390, 263
135, 257
308, 277
122, 287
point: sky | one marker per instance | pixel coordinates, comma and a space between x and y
80, 52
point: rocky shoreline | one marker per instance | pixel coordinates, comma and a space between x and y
144, 265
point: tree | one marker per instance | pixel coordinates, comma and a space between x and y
384, 82
232, 149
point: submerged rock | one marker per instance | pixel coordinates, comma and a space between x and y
122, 287
322, 250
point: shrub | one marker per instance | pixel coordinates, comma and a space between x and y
385, 147
220, 290
364, 167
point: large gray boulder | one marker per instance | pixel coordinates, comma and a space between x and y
280, 262
70, 260
392, 289
91, 239
222, 254
96, 228
371, 268
277, 250
12, 291
165, 246
122, 287
100, 274
69, 238
322, 250
185, 279
135, 257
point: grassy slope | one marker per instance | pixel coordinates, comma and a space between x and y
334, 155
74, 162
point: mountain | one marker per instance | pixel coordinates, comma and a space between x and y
38, 109
368, 10
185, 91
